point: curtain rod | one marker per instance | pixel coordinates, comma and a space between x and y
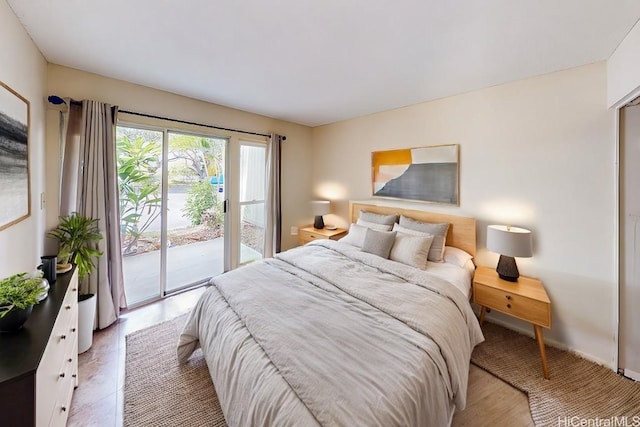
57, 100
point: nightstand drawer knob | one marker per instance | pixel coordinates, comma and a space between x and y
508, 296
508, 305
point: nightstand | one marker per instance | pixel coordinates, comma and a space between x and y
308, 234
525, 299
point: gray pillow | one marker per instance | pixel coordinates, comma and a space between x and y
378, 242
378, 218
439, 232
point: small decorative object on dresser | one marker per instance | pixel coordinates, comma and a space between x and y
18, 294
308, 234
509, 242
526, 300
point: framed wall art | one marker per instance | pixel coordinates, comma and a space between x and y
426, 174
15, 191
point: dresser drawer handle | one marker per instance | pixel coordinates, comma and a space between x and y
63, 337
507, 296
69, 360
74, 376
62, 375
74, 289
508, 305
63, 408
73, 329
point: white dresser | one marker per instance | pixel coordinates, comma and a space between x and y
39, 363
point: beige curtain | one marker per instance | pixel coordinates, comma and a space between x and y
89, 186
273, 228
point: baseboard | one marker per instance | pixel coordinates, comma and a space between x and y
553, 343
632, 374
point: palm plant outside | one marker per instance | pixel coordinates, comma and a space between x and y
191, 160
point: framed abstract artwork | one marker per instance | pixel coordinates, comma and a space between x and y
425, 174
15, 191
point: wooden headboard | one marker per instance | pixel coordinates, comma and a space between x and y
462, 231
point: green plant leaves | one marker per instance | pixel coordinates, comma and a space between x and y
79, 235
18, 291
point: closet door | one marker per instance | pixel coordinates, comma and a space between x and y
629, 338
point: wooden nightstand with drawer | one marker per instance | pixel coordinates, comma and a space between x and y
308, 234
525, 299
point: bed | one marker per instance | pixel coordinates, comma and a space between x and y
331, 334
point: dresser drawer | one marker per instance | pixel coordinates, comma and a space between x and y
55, 377
530, 310
62, 403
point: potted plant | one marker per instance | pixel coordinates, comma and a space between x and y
18, 294
78, 236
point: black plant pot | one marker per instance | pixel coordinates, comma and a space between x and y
14, 319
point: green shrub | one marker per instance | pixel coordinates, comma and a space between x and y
201, 201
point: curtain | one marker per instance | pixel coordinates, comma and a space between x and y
272, 239
89, 186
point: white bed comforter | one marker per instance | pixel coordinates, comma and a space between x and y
326, 334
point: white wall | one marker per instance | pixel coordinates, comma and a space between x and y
537, 153
623, 69
296, 161
23, 68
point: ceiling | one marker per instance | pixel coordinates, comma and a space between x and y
324, 61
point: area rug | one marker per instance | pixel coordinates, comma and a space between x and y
578, 392
160, 392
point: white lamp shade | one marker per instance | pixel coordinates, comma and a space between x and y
509, 241
321, 207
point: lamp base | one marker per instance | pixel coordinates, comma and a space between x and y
507, 268
318, 222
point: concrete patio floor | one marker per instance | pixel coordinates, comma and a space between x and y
186, 265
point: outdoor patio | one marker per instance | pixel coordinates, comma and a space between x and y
187, 264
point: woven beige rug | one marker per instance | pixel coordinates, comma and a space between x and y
578, 392
160, 392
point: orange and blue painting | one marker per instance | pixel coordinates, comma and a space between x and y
427, 174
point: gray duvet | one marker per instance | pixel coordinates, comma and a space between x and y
325, 334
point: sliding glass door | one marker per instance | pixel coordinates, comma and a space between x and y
172, 216
195, 209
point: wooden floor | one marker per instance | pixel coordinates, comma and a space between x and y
98, 400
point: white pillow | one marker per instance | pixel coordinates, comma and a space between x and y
439, 231
411, 250
373, 225
356, 235
456, 256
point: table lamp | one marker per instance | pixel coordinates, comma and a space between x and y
509, 242
319, 208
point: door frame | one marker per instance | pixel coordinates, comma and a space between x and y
619, 337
